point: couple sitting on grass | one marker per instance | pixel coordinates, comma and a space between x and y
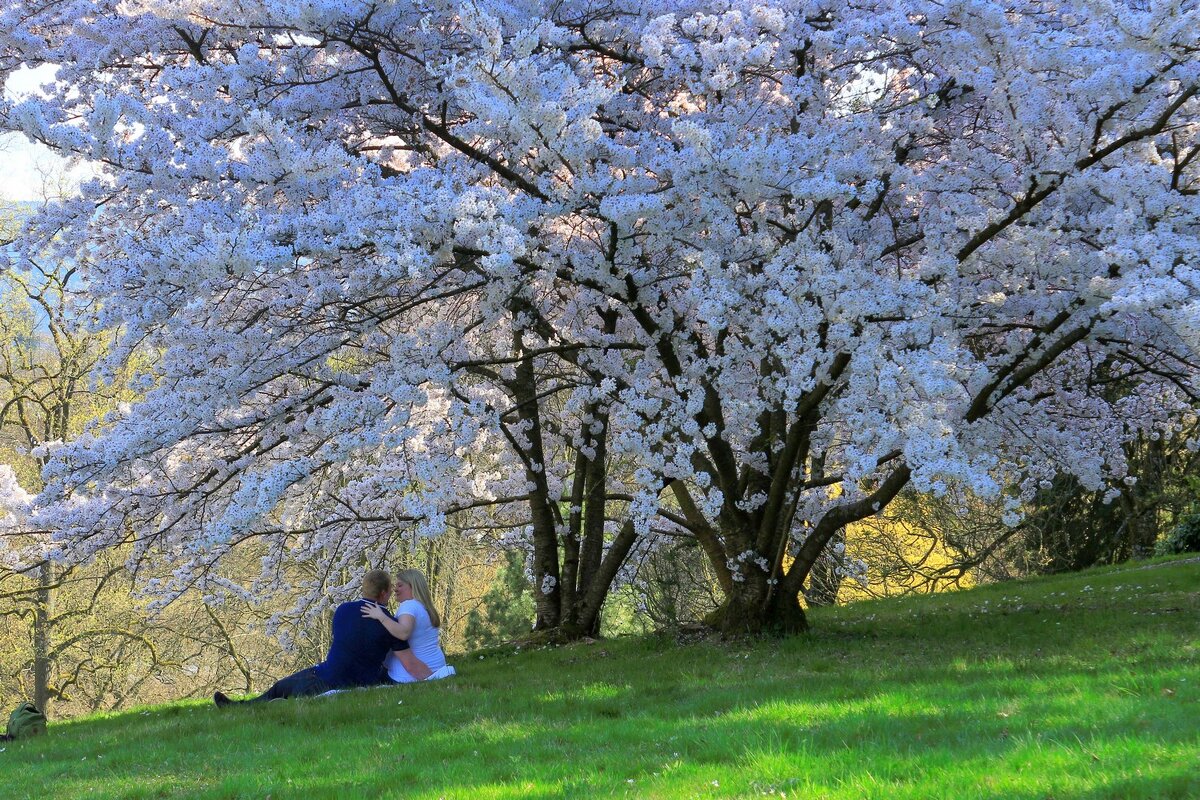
370, 647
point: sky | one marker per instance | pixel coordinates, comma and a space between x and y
29, 171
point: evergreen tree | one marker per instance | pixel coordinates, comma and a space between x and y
506, 610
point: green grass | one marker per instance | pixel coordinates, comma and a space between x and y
1082, 686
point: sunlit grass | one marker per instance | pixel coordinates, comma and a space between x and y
1084, 686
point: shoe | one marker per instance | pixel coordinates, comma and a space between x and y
221, 700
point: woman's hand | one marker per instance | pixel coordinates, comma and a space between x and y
374, 612
393, 627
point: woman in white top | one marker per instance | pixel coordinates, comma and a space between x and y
416, 622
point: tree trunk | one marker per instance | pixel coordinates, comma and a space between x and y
448, 603
1141, 526
751, 609
546, 573
762, 602
43, 615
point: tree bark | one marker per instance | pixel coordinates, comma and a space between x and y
756, 605
588, 623
547, 578
752, 609
42, 622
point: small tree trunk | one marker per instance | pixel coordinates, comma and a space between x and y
450, 580
592, 601
1141, 526
41, 636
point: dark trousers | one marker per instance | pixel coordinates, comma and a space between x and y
304, 683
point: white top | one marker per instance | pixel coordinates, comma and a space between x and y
423, 640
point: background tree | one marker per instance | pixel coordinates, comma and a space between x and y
1184, 537
78, 636
46, 361
925, 543
1070, 528
505, 611
675, 587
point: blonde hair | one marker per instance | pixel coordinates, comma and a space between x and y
374, 582
415, 579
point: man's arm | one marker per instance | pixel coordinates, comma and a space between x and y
413, 665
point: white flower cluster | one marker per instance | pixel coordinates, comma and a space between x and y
14, 501
853, 568
737, 565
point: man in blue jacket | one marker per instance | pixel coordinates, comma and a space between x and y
356, 655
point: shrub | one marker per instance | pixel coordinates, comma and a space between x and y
1183, 538
506, 610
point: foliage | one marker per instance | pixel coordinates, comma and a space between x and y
1070, 527
675, 587
505, 612
1077, 685
47, 395
1183, 538
729, 270
924, 543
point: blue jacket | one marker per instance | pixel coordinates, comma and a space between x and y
359, 647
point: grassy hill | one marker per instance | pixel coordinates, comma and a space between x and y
1082, 686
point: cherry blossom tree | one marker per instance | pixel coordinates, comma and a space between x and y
597, 273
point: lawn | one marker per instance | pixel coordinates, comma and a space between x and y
1080, 686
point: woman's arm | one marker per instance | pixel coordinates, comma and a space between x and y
412, 665
401, 628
